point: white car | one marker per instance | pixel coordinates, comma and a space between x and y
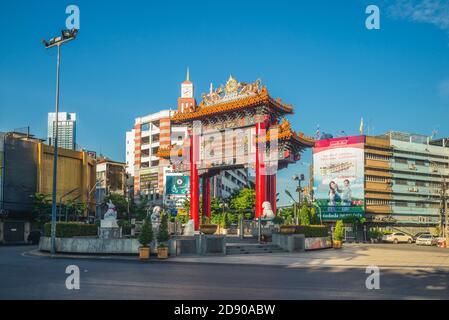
397, 237
426, 240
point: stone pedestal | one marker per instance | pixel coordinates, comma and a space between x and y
109, 229
109, 233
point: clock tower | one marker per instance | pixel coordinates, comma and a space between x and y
186, 102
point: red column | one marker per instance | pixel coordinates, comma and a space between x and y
206, 196
260, 173
194, 179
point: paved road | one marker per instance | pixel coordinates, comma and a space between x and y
31, 277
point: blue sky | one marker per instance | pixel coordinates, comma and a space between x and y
131, 56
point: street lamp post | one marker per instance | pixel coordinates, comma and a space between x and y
66, 36
299, 190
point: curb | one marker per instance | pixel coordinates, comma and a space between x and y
39, 254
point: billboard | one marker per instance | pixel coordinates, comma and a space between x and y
177, 185
338, 174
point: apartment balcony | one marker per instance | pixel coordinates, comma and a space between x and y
413, 210
378, 209
378, 186
378, 173
145, 133
381, 164
410, 168
379, 196
415, 190
145, 159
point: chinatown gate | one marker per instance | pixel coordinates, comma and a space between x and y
238, 125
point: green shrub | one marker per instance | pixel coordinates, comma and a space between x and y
338, 231
71, 229
126, 226
278, 220
375, 234
162, 235
313, 231
146, 233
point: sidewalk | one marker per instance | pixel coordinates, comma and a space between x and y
351, 256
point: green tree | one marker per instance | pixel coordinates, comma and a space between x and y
140, 209
354, 220
41, 208
304, 215
243, 200
313, 216
162, 235
146, 233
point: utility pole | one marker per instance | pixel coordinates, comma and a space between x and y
66, 35
299, 190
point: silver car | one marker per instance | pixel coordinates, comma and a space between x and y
397, 237
426, 240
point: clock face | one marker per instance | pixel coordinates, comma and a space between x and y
187, 91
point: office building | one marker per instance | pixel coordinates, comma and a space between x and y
66, 130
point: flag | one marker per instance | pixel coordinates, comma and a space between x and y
361, 126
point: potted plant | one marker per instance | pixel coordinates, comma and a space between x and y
207, 227
338, 235
162, 238
288, 227
145, 238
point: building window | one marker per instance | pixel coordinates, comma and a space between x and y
420, 183
420, 162
400, 160
372, 156
401, 182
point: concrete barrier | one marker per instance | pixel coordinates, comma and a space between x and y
199, 244
91, 245
298, 243
289, 242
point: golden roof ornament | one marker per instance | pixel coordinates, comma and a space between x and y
231, 86
232, 90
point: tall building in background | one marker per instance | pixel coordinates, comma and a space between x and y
66, 129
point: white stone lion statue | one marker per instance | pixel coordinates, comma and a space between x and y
267, 211
156, 215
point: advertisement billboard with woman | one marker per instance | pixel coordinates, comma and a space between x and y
338, 174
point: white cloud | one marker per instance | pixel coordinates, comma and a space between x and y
434, 12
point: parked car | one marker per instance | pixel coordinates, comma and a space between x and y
416, 236
397, 237
426, 240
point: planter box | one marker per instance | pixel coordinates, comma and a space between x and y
317, 243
